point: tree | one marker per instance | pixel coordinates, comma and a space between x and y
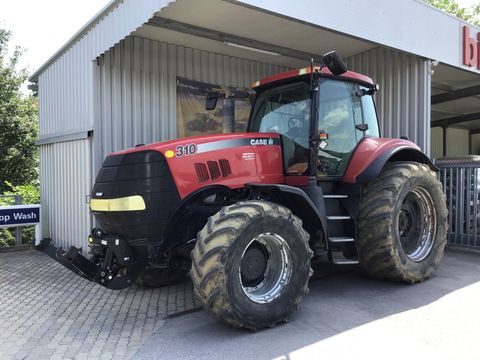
470, 14
18, 122
18, 131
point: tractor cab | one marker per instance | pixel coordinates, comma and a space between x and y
341, 108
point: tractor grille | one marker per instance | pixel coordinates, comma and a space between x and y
202, 172
225, 167
212, 170
144, 173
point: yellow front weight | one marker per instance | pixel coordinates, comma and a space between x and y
129, 203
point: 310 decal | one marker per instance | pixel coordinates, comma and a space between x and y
185, 150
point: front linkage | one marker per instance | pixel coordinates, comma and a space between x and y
117, 269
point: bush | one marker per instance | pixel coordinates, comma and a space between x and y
6, 237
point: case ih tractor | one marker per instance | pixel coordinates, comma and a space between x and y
249, 214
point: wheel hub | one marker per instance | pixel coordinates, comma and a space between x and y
417, 223
404, 222
265, 268
254, 265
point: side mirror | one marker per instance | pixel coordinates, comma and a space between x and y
335, 63
211, 101
361, 127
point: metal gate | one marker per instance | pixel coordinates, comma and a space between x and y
460, 177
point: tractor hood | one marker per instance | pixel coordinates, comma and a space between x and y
232, 160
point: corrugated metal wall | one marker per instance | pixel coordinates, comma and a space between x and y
403, 102
66, 104
457, 142
66, 174
437, 143
65, 87
475, 150
137, 82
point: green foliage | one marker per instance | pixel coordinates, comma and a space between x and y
470, 14
6, 237
18, 131
30, 193
18, 122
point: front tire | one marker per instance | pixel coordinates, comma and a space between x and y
251, 264
402, 223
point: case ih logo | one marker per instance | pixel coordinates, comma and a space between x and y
471, 49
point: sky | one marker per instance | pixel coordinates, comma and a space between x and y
467, 3
41, 27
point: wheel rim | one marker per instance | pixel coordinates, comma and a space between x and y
265, 268
417, 224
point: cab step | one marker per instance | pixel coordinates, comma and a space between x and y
340, 239
338, 217
335, 196
345, 261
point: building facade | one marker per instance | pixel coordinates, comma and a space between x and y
114, 84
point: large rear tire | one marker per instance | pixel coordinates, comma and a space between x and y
251, 264
402, 223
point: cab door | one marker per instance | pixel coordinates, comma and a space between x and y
341, 108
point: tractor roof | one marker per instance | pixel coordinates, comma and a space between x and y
349, 75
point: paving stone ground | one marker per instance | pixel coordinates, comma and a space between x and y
47, 312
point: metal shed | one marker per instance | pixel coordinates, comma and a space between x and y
113, 85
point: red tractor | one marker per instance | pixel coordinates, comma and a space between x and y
249, 214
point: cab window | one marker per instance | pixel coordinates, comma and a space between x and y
286, 110
340, 110
369, 115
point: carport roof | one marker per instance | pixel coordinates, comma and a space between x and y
452, 109
359, 25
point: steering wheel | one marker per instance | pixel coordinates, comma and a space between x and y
295, 122
327, 163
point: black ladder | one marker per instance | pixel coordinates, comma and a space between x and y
341, 244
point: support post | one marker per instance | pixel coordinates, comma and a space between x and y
228, 113
18, 229
444, 128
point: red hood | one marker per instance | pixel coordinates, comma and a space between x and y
230, 160
203, 139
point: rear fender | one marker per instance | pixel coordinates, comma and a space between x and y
372, 154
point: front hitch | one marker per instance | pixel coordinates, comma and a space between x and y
80, 265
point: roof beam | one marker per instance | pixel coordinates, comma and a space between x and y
455, 120
474, 131
456, 94
232, 39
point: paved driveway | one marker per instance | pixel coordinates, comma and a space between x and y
47, 312
348, 316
